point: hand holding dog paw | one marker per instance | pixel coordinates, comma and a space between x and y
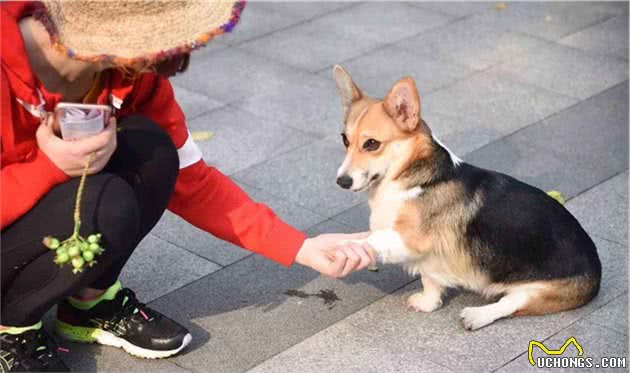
336, 255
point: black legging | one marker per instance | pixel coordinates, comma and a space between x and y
123, 203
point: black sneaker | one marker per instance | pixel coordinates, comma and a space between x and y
123, 322
31, 351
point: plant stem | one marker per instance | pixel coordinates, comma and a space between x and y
77, 203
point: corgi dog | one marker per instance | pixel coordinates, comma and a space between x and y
457, 225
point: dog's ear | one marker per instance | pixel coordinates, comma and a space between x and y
347, 89
402, 103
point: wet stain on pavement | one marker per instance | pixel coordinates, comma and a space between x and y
328, 296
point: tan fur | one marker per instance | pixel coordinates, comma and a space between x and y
433, 225
357, 110
558, 295
420, 148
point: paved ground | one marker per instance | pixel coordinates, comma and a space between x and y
536, 90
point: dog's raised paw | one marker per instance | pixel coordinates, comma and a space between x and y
474, 318
421, 302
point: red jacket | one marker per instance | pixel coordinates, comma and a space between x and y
203, 195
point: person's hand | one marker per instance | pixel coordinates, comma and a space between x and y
71, 156
335, 255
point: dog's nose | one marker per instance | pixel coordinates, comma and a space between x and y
344, 181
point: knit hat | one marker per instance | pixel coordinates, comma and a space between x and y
132, 33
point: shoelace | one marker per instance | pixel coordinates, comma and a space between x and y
130, 305
33, 345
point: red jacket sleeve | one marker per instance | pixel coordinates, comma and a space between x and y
23, 182
209, 200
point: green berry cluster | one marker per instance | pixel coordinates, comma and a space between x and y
76, 250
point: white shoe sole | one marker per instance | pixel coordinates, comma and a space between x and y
108, 339
94, 335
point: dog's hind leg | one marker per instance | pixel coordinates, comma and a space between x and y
561, 295
534, 298
478, 317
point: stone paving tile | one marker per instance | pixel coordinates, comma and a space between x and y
614, 259
456, 8
620, 6
548, 20
345, 34
194, 104
534, 165
609, 37
256, 20
158, 267
440, 337
488, 104
593, 133
402, 20
327, 47
312, 106
471, 42
569, 71
305, 9
376, 72
603, 210
613, 316
330, 226
176, 230
569, 151
244, 308
182, 234
596, 341
344, 348
306, 177
241, 139
462, 135
357, 216
230, 74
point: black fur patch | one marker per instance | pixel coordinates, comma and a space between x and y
520, 233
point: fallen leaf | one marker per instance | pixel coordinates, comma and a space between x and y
500, 6
557, 196
201, 135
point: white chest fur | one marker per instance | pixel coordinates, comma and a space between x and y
386, 202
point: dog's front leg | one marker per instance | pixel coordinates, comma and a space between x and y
389, 246
429, 299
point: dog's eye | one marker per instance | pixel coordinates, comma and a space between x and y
371, 145
346, 143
